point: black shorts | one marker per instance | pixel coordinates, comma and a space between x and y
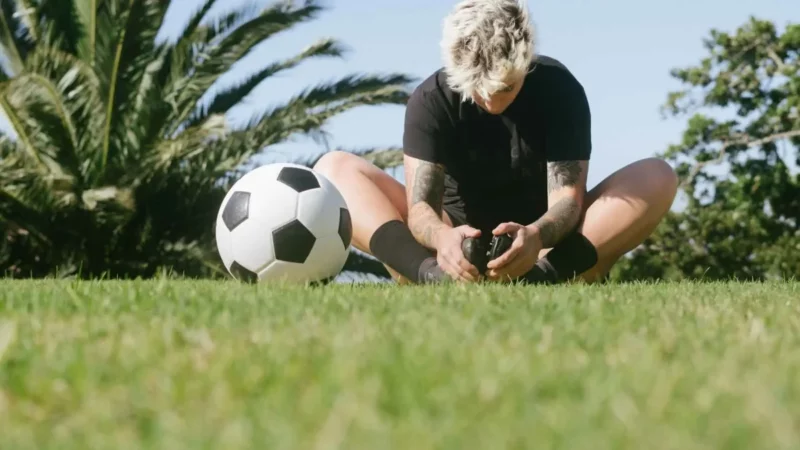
456, 215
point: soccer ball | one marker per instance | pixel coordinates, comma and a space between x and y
283, 222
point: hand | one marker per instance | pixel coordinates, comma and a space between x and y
520, 257
450, 256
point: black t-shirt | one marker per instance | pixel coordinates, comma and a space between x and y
496, 165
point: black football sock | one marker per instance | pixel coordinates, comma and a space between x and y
569, 258
394, 245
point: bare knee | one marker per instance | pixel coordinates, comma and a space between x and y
657, 181
338, 164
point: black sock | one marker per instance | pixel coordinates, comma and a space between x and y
569, 258
394, 245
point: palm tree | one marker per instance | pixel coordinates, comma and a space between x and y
113, 166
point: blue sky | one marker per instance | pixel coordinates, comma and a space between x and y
620, 50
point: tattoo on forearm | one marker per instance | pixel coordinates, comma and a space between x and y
425, 206
425, 226
559, 220
428, 186
562, 174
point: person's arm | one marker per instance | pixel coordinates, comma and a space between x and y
566, 188
568, 149
426, 135
424, 193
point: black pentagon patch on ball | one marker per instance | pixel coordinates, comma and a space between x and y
236, 210
243, 274
292, 242
345, 226
299, 179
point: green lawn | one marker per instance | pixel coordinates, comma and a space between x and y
180, 364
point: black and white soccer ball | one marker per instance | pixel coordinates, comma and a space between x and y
283, 222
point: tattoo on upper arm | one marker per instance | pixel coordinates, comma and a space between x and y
562, 174
428, 186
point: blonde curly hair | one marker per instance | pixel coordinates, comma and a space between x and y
484, 43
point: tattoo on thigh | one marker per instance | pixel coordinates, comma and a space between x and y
562, 174
428, 186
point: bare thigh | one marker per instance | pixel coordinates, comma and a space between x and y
373, 196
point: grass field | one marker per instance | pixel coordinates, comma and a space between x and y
180, 364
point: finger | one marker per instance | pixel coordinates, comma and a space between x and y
497, 277
452, 267
466, 269
457, 259
453, 272
468, 231
445, 265
510, 272
466, 265
508, 256
506, 228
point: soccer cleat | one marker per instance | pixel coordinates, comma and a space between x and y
431, 273
500, 244
476, 252
479, 251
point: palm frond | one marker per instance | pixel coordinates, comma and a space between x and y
14, 39
143, 83
42, 124
18, 125
187, 145
86, 11
369, 90
327, 99
16, 212
28, 17
68, 135
195, 20
79, 89
63, 26
27, 195
140, 24
384, 158
210, 35
170, 70
219, 59
229, 98
108, 26
304, 113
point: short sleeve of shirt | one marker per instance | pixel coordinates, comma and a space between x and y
569, 130
426, 132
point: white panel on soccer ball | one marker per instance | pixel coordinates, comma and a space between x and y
224, 243
252, 245
283, 271
327, 258
272, 203
318, 209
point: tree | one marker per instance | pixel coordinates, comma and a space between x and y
114, 166
738, 163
